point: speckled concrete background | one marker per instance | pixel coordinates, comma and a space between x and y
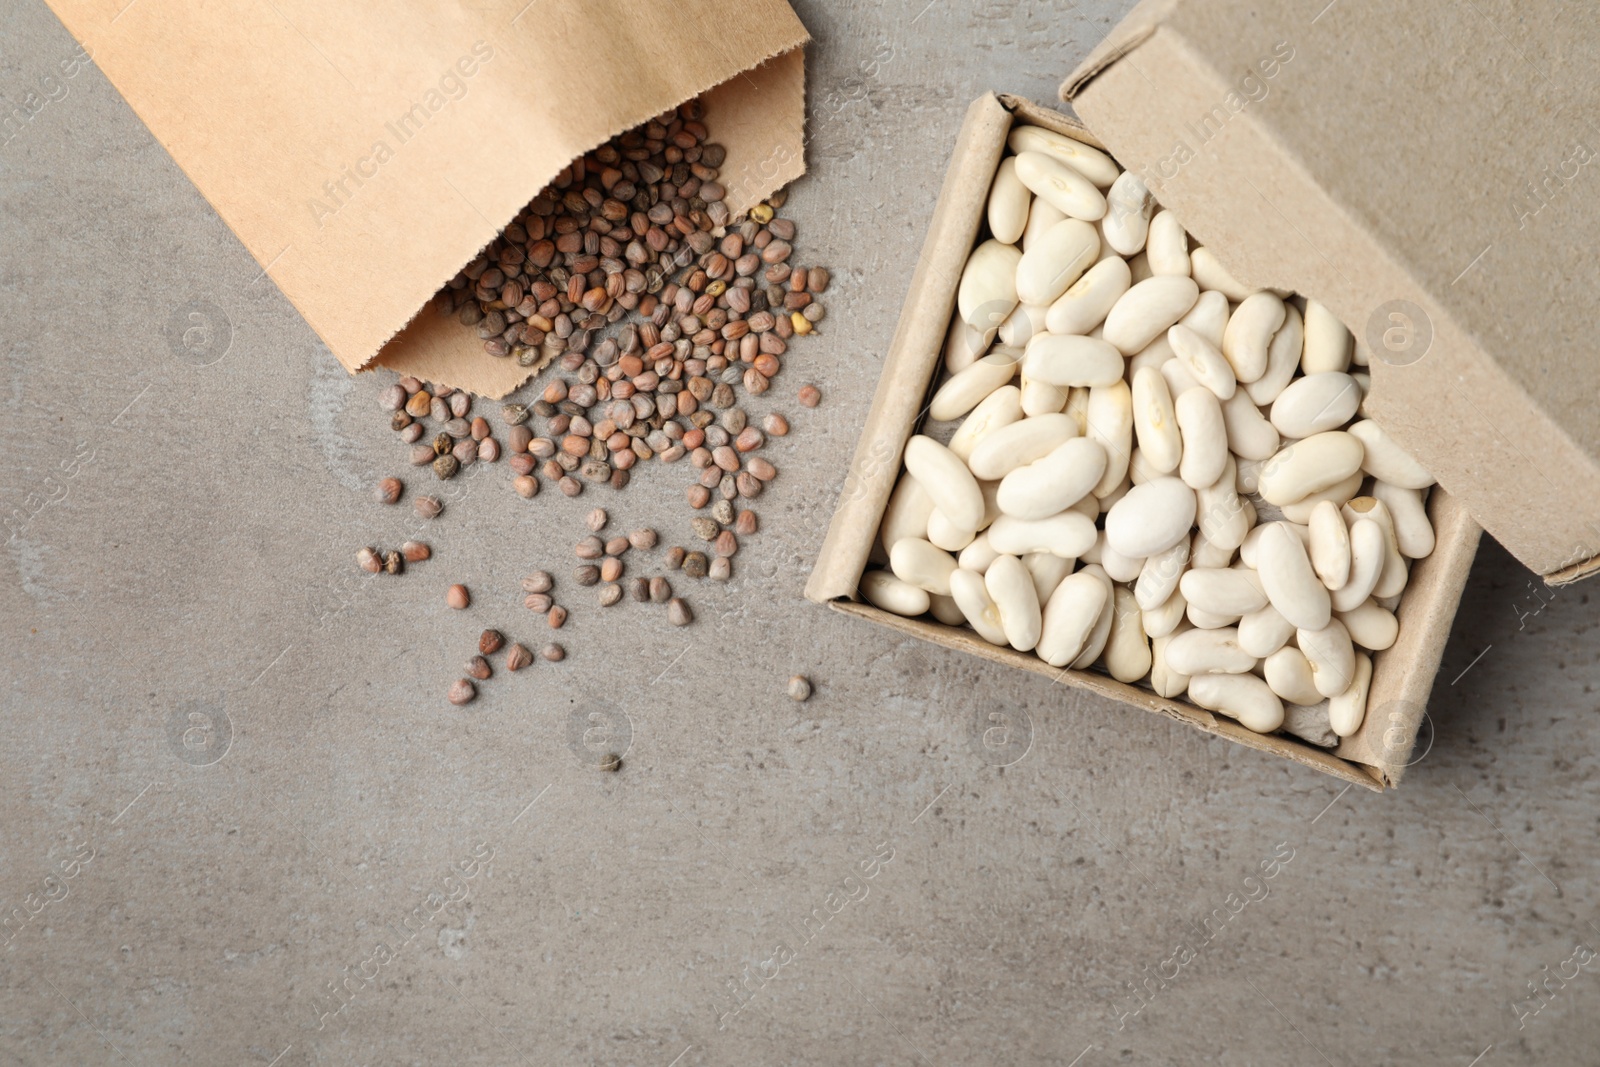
178, 552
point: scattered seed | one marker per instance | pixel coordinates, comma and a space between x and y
610, 594
369, 560
388, 490
427, 507
699, 496
526, 485
799, 687
659, 590
678, 612
491, 641
598, 519
611, 762
722, 511
776, 425
590, 547
518, 657
557, 617
695, 564
537, 582
617, 546
463, 691
746, 524
642, 539
726, 544
446, 466
457, 597
393, 398
675, 557
415, 551
570, 485
488, 450
540, 602
704, 528
610, 569
587, 574
639, 589
553, 652
393, 563
478, 667
720, 570
810, 396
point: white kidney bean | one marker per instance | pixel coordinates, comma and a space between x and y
1263, 631
1209, 620
1053, 482
1108, 419
1177, 374
1127, 651
999, 409
1062, 185
1300, 511
1331, 655
1329, 545
1163, 679
1155, 421
1233, 591
1066, 360
1250, 546
971, 595
1240, 696
1129, 207
1288, 673
1347, 710
945, 609
1283, 356
1315, 403
1327, 341
885, 591
988, 289
1118, 568
977, 555
1167, 245
1068, 535
1041, 216
1369, 551
1147, 310
962, 345
1010, 586
1164, 618
1009, 201
1196, 652
1070, 616
1205, 437
1211, 274
1090, 162
1057, 260
1308, 466
1042, 398
1096, 642
1161, 574
1019, 443
1047, 570
949, 536
1203, 360
1151, 518
947, 480
1204, 553
1392, 580
907, 512
1371, 625
1088, 300
1412, 530
1208, 317
1290, 583
963, 391
1387, 461
1024, 323
1250, 435
1224, 519
1249, 333
918, 562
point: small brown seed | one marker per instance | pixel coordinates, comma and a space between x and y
610, 569
722, 511
540, 602
466, 452
445, 467
411, 435
799, 687
761, 469
610, 594
427, 507
421, 455
642, 539
537, 582
526, 485
776, 425
598, 519
518, 657
591, 547
400, 421
393, 563
369, 560
388, 490
463, 691
749, 486
491, 641
478, 667
675, 557
488, 450
699, 496
725, 458
457, 597
695, 564
460, 404
749, 439
393, 398
618, 545
570, 485
746, 524
479, 427
726, 544
415, 551
639, 589
419, 405
553, 652
557, 617
660, 590
610, 762
721, 569
810, 396
442, 444
704, 528
678, 612
587, 574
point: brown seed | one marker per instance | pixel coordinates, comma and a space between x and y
400, 421
521, 463
746, 524
726, 544
540, 602
749, 439
660, 590
699, 496
369, 560
393, 398
421, 455
478, 667
810, 396
721, 569
537, 582
762, 469
639, 589
587, 574
570, 485
488, 450
799, 687
388, 490
678, 612
557, 617
776, 425
460, 404
610, 569
518, 657
427, 507
411, 435
722, 511
526, 485
675, 557
704, 528
553, 652
748, 485
695, 564
590, 547
445, 466
415, 551
642, 539
610, 594
610, 762
463, 691
725, 458
598, 519
393, 563
491, 641
479, 427
618, 545
419, 405
457, 597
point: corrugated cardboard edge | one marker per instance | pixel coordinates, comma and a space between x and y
1441, 391
758, 116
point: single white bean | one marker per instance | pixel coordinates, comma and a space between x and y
1327, 341
1208, 317
1197, 652
1205, 437
1249, 471
1010, 586
1068, 360
999, 409
1332, 656
945, 609
1129, 207
1290, 583
1087, 302
1108, 419
963, 391
1047, 570
1062, 185
1163, 679
907, 512
1008, 204
1412, 530
1041, 216
1167, 616
1283, 356
1096, 642
1203, 360
1240, 696
1155, 421
1167, 245
1263, 632
1250, 435
1371, 625
1308, 466
1161, 574
1147, 310
947, 535
1054, 482
1179, 378
947, 480
978, 555
988, 289
1127, 651
1224, 590
1300, 511
1068, 535
1288, 673
1249, 548
1070, 616
1209, 620
1330, 545
1347, 710
962, 345
1024, 323
1042, 398
918, 562
1315, 403
1385, 460
1249, 333
1211, 274
971, 595
1056, 260
1118, 568
1369, 550
1396, 571
1020, 443
1086, 160
1224, 519
1151, 518
885, 591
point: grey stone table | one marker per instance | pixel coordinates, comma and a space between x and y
228, 774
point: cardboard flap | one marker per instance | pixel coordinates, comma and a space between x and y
364, 153
1436, 207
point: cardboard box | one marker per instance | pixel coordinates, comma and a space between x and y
1375, 757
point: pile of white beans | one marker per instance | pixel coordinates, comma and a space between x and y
1158, 471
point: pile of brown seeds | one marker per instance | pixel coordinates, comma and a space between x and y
479, 669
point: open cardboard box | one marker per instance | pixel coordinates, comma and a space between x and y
1402, 676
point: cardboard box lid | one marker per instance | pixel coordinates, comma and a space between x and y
363, 153
1422, 171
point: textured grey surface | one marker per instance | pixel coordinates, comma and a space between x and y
179, 540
